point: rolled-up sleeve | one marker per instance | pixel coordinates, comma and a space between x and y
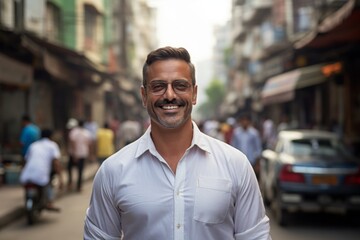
251, 222
259, 231
102, 220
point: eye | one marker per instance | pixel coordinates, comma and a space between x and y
181, 86
157, 87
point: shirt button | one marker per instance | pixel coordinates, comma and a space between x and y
178, 225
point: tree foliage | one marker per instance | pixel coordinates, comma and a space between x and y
215, 94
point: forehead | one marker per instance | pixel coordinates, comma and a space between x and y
168, 70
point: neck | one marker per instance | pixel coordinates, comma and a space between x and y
172, 143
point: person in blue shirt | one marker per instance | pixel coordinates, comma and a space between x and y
29, 134
247, 139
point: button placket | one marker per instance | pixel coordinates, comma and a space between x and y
179, 201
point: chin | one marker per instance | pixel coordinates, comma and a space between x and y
171, 124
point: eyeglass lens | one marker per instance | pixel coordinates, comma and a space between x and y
160, 87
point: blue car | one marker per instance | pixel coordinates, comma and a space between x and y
309, 171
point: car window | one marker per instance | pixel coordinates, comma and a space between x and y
313, 146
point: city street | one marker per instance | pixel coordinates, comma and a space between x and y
69, 224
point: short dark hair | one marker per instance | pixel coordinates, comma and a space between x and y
46, 133
166, 53
26, 118
81, 122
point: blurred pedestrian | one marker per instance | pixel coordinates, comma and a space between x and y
284, 123
71, 124
114, 125
227, 128
80, 147
175, 182
30, 133
104, 143
43, 158
130, 130
247, 139
92, 127
268, 133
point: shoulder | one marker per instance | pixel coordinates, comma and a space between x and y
229, 160
122, 159
254, 131
223, 150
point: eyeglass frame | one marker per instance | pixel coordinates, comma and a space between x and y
165, 86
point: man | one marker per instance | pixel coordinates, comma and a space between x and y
130, 130
247, 139
29, 134
104, 143
92, 126
42, 157
268, 133
175, 182
80, 147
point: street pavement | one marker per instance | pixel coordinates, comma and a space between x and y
12, 196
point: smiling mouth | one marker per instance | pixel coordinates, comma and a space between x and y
170, 107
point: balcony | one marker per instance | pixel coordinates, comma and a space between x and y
256, 10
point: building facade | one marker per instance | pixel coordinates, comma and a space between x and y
299, 59
63, 59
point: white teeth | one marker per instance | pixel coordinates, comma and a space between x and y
170, 107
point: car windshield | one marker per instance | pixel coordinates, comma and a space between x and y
314, 146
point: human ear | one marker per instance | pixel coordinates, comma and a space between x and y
194, 96
143, 96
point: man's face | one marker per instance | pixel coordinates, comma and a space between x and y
245, 122
172, 108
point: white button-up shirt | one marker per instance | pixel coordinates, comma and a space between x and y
214, 195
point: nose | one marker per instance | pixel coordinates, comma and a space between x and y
170, 93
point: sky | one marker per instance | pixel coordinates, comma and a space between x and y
189, 24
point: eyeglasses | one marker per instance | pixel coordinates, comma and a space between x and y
160, 87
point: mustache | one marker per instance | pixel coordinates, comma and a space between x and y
162, 102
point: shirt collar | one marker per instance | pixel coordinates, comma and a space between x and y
147, 144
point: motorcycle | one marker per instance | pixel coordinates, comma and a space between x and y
35, 202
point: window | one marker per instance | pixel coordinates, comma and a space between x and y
313, 147
19, 15
303, 15
53, 22
90, 18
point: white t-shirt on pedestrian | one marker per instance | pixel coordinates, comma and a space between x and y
39, 159
81, 138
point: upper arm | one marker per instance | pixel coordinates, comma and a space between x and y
103, 218
249, 203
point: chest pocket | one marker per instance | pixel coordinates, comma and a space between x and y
212, 199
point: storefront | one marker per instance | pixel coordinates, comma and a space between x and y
297, 94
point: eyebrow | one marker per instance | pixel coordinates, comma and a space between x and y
162, 81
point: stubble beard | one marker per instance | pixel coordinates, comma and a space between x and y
170, 122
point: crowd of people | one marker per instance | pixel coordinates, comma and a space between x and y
84, 142
242, 133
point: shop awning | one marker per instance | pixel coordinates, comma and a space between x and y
64, 63
281, 88
340, 26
